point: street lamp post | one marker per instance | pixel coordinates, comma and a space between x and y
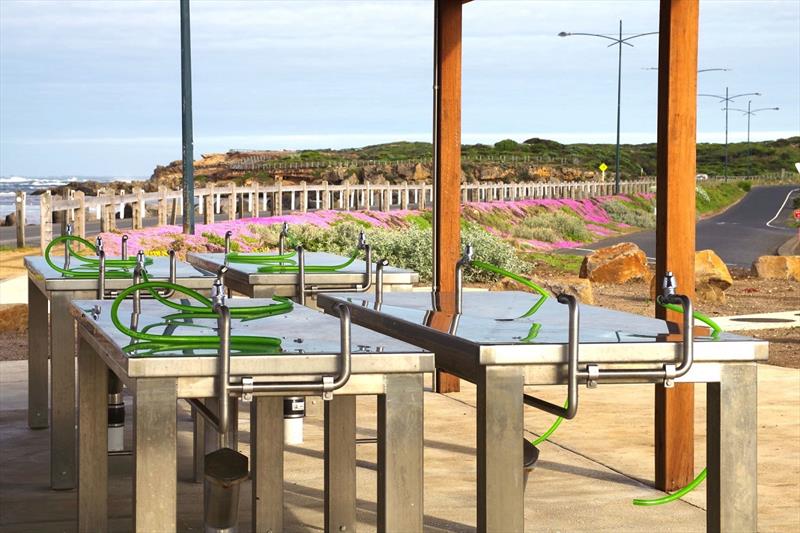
617, 41
728, 99
750, 112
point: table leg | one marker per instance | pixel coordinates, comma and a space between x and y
38, 352
732, 449
155, 484
62, 392
400, 454
266, 458
93, 441
198, 444
340, 464
500, 428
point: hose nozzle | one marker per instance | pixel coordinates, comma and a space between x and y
362, 240
218, 293
468, 254
98, 242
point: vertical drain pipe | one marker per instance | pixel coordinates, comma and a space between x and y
225, 468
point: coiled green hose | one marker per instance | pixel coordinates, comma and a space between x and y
293, 268
516, 277
115, 268
257, 259
150, 343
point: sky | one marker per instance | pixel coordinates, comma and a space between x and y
92, 88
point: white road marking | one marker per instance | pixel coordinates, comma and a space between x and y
769, 224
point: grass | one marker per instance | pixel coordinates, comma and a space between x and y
712, 197
570, 264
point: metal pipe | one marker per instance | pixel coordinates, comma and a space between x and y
361, 245
202, 409
186, 122
124, 247
301, 274
573, 345
101, 274
67, 257
379, 282
228, 235
282, 238
224, 363
328, 383
465, 260
137, 279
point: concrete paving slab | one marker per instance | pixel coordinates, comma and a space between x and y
14, 290
584, 481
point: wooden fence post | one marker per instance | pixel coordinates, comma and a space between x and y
45, 220
80, 215
162, 205
277, 208
386, 203
208, 210
255, 207
138, 209
367, 196
404, 196
19, 209
326, 196
304, 197
232, 202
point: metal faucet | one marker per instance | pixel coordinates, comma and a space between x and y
98, 243
124, 247
465, 260
218, 287
67, 231
138, 272
362, 240
228, 235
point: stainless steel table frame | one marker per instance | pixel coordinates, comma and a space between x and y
497, 355
49, 297
381, 366
245, 279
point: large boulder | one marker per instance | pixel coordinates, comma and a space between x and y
711, 277
778, 267
616, 264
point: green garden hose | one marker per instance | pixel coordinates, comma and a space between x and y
115, 268
152, 343
715, 332
257, 259
516, 277
293, 268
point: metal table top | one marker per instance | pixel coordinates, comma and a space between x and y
352, 274
309, 343
52, 280
490, 332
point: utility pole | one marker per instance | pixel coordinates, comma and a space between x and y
186, 123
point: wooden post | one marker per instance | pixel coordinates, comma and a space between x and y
404, 196
304, 197
162, 205
19, 209
386, 202
232, 202
254, 211
138, 209
367, 196
208, 208
675, 233
278, 207
173, 215
80, 216
45, 220
447, 162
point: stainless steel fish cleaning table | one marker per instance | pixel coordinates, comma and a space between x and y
493, 346
311, 349
246, 279
49, 296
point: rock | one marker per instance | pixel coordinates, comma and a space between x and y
580, 288
711, 276
778, 267
616, 264
9, 220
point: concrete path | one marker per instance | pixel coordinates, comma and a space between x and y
585, 479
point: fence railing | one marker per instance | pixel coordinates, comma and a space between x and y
236, 201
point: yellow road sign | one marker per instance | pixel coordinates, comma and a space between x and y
603, 167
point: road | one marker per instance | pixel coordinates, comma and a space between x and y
739, 235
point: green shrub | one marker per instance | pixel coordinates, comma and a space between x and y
551, 226
624, 213
219, 240
744, 185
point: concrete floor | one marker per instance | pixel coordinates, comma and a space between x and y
584, 481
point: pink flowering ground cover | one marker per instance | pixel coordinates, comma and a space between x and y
253, 234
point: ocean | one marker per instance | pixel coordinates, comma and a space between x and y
10, 184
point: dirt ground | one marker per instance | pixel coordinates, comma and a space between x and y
11, 261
